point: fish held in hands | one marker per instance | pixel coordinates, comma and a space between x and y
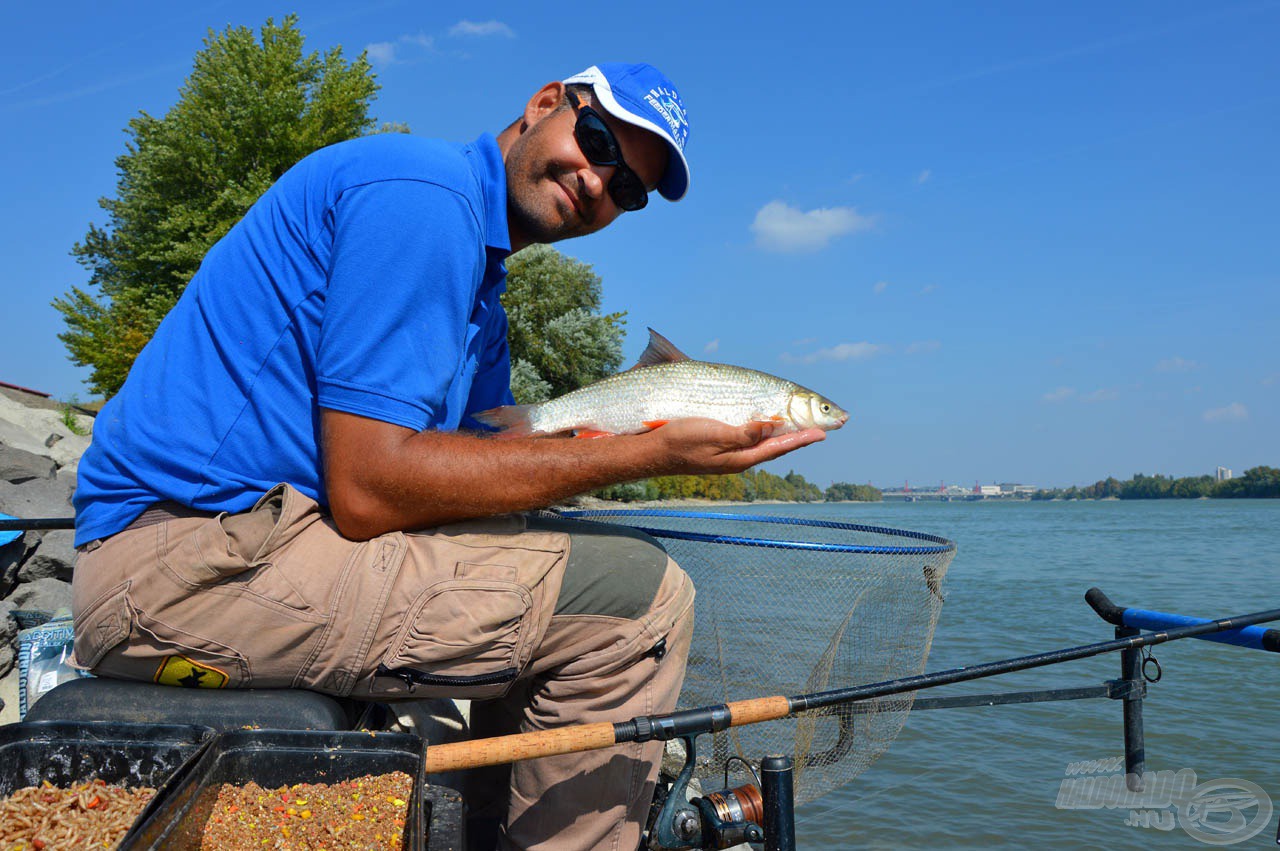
667, 385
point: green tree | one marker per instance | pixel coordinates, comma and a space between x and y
559, 340
249, 110
847, 492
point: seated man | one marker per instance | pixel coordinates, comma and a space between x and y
279, 495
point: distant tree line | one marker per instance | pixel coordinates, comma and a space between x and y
1256, 483
846, 492
750, 486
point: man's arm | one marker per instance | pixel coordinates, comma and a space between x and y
382, 477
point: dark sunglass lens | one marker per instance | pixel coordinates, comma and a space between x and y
596, 141
628, 190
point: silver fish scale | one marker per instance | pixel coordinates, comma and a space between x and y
623, 403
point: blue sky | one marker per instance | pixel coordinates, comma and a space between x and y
1018, 241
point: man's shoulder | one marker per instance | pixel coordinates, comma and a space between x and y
397, 156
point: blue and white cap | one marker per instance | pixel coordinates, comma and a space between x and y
642, 95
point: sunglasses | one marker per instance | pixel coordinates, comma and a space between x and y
601, 147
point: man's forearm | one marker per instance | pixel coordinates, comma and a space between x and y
431, 477
381, 477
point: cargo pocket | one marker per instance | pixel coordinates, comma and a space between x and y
154, 651
466, 638
236, 552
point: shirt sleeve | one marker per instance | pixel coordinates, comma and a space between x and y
407, 260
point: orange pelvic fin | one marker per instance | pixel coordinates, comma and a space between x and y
510, 420
592, 433
652, 424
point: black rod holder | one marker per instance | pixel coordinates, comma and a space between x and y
1135, 749
777, 782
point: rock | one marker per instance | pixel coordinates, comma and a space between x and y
42, 595
8, 626
19, 465
36, 498
28, 428
12, 555
9, 697
55, 557
8, 656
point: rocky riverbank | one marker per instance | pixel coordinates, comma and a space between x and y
39, 452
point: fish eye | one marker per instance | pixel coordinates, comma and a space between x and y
826, 409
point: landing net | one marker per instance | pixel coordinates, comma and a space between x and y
791, 606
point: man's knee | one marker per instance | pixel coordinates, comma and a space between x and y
613, 571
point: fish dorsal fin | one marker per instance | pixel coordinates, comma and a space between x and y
660, 350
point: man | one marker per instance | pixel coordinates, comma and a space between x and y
279, 495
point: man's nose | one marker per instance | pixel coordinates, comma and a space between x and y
595, 179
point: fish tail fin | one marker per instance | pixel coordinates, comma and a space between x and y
510, 420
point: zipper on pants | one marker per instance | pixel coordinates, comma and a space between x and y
413, 677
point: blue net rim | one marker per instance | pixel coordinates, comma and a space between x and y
939, 544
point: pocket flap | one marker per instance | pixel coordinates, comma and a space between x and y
104, 624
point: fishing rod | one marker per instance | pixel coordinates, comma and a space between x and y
712, 719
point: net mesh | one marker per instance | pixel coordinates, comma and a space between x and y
793, 606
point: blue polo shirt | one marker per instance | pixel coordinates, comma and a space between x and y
365, 280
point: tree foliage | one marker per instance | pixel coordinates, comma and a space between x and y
1257, 483
559, 340
846, 492
249, 110
749, 486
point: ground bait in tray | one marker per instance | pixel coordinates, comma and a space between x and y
366, 813
87, 815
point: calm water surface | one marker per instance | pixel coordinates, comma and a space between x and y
989, 777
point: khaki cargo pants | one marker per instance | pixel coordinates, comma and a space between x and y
560, 622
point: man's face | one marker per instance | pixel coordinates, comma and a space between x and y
553, 191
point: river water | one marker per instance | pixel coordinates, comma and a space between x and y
990, 777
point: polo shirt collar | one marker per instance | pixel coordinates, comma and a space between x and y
492, 173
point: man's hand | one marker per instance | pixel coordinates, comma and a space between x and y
696, 445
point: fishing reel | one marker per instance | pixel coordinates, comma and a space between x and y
759, 813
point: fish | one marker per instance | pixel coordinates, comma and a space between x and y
664, 385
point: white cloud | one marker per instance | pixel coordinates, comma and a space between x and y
1176, 364
780, 227
923, 176
928, 288
804, 341
921, 347
1102, 394
1059, 395
713, 346
390, 52
381, 52
481, 29
1233, 412
881, 286
839, 352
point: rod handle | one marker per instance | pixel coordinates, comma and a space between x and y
758, 709
503, 749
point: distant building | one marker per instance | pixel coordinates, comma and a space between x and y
1222, 474
989, 490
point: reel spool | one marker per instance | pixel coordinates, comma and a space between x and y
759, 812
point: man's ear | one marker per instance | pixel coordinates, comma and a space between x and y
544, 102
